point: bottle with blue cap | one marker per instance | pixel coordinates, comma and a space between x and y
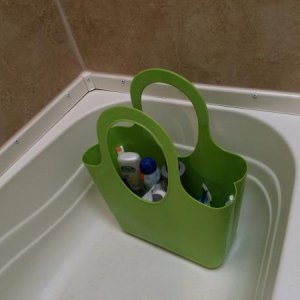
150, 172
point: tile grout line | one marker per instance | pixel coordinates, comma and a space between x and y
70, 35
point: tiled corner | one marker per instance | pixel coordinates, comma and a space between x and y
235, 43
36, 61
125, 36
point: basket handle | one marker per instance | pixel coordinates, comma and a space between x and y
149, 76
121, 113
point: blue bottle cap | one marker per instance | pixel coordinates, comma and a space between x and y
148, 165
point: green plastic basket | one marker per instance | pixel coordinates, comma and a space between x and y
178, 222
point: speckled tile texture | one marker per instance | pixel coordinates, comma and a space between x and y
237, 43
36, 61
124, 36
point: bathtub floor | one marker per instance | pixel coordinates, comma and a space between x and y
87, 256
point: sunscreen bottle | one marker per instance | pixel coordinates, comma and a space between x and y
129, 167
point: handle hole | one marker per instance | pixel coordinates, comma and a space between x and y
126, 124
135, 138
178, 118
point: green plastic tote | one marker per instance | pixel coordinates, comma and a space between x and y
179, 222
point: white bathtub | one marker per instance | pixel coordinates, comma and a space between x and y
58, 240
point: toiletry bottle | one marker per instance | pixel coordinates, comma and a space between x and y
230, 200
150, 172
129, 166
155, 193
206, 197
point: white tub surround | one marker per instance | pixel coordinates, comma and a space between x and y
58, 239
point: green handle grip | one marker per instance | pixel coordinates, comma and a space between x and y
149, 76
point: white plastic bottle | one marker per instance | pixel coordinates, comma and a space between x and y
150, 172
129, 166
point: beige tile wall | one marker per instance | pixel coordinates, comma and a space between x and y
36, 60
238, 43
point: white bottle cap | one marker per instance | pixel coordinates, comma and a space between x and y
158, 195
